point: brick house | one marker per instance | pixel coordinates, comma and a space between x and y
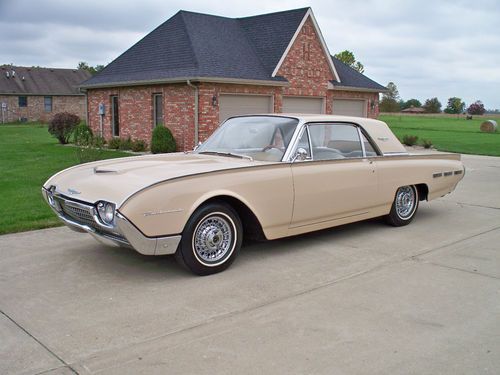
36, 94
195, 70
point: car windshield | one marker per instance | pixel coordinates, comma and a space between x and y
258, 137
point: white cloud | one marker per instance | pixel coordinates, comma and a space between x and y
446, 48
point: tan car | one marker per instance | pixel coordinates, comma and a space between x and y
264, 177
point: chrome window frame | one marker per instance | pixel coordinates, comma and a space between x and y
304, 126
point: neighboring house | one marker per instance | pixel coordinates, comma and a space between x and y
413, 110
196, 70
36, 94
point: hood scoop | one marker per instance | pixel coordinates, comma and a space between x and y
98, 170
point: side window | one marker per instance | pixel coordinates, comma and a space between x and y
304, 143
370, 151
335, 141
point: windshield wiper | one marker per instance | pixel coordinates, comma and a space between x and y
220, 153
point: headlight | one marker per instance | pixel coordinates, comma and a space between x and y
106, 212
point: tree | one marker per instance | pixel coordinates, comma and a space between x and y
432, 105
476, 108
411, 103
389, 102
348, 58
82, 65
455, 105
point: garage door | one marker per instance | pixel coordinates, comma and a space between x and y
232, 105
346, 107
302, 105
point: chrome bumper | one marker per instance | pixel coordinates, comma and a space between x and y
125, 234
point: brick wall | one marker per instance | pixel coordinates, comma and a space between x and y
306, 66
135, 106
35, 110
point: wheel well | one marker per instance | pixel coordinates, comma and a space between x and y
423, 191
252, 229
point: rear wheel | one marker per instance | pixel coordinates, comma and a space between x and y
404, 206
211, 239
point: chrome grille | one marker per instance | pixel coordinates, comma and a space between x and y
80, 213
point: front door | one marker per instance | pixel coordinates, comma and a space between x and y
337, 180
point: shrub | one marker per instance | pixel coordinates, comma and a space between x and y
427, 143
82, 135
114, 143
61, 126
162, 141
91, 151
125, 144
139, 145
410, 140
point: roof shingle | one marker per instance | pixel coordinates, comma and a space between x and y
193, 45
41, 81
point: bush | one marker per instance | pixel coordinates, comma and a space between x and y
91, 151
139, 145
162, 141
62, 125
427, 143
82, 135
114, 143
125, 144
410, 140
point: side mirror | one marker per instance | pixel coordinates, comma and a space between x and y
197, 146
300, 154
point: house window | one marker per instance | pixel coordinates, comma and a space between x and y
47, 103
115, 119
23, 101
157, 110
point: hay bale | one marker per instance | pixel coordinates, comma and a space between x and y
489, 126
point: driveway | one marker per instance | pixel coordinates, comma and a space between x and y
364, 298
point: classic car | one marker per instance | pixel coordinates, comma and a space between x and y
258, 176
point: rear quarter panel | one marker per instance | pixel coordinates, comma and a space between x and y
399, 171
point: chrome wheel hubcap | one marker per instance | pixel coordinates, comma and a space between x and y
405, 202
213, 238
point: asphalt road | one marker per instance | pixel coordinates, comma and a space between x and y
364, 298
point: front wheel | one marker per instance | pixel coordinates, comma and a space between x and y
404, 206
211, 239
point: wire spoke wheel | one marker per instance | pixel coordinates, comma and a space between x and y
404, 206
213, 238
405, 202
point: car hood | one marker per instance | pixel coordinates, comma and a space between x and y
115, 180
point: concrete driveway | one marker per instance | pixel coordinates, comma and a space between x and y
361, 299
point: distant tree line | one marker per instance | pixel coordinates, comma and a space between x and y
391, 102
82, 65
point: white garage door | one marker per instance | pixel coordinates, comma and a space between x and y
232, 105
349, 107
302, 105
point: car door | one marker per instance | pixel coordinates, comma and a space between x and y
336, 180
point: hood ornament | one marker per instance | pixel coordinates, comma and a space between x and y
73, 191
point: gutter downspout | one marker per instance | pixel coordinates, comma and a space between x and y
196, 128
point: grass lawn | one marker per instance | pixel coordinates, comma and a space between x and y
29, 155
447, 133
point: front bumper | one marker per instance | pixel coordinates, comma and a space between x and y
123, 233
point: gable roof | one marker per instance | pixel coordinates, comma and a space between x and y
204, 47
40, 81
352, 79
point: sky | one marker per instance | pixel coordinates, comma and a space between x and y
428, 48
